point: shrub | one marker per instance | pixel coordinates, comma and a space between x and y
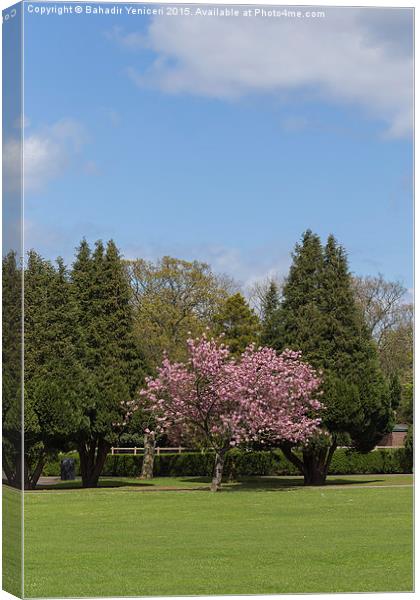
242, 463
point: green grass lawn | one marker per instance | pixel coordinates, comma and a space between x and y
274, 537
12, 541
244, 484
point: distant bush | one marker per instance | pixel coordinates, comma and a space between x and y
241, 463
409, 448
346, 462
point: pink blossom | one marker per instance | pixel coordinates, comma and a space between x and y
217, 401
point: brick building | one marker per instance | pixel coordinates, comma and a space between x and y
394, 439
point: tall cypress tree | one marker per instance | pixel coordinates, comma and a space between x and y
319, 316
107, 350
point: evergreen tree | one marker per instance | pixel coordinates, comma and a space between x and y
319, 316
12, 369
270, 315
300, 315
52, 373
238, 323
395, 389
107, 350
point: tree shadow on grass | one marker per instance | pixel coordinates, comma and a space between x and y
103, 484
264, 484
243, 484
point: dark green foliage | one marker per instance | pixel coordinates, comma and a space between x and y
82, 363
318, 315
301, 313
352, 357
395, 390
53, 374
238, 323
270, 316
409, 448
52, 371
132, 437
12, 368
405, 412
241, 463
107, 350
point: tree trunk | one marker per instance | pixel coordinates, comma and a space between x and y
219, 462
26, 476
36, 473
92, 459
19, 474
232, 471
314, 464
149, 456
10, 470
14, 472
314, 472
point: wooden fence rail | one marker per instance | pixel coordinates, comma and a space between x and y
140, 450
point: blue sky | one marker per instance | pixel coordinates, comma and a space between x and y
221, 140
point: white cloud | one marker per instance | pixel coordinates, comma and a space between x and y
62, 238
48, 152
12, 163
361, 57
131, 41
21, 122
246, 267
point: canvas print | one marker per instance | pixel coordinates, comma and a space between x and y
207, 299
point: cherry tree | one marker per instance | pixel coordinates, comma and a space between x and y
278, 396
221, 402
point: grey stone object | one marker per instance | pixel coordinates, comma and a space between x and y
68, 469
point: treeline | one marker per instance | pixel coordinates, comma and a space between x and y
82, 361
246, 463
94, 332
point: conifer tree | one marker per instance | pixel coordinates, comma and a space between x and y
238, 323
12, 369
269, 315
107, 351
52, 372
396, 389
300, 314
319, 316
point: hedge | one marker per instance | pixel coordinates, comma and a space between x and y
240, 463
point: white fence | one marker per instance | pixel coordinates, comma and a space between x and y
139, 451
